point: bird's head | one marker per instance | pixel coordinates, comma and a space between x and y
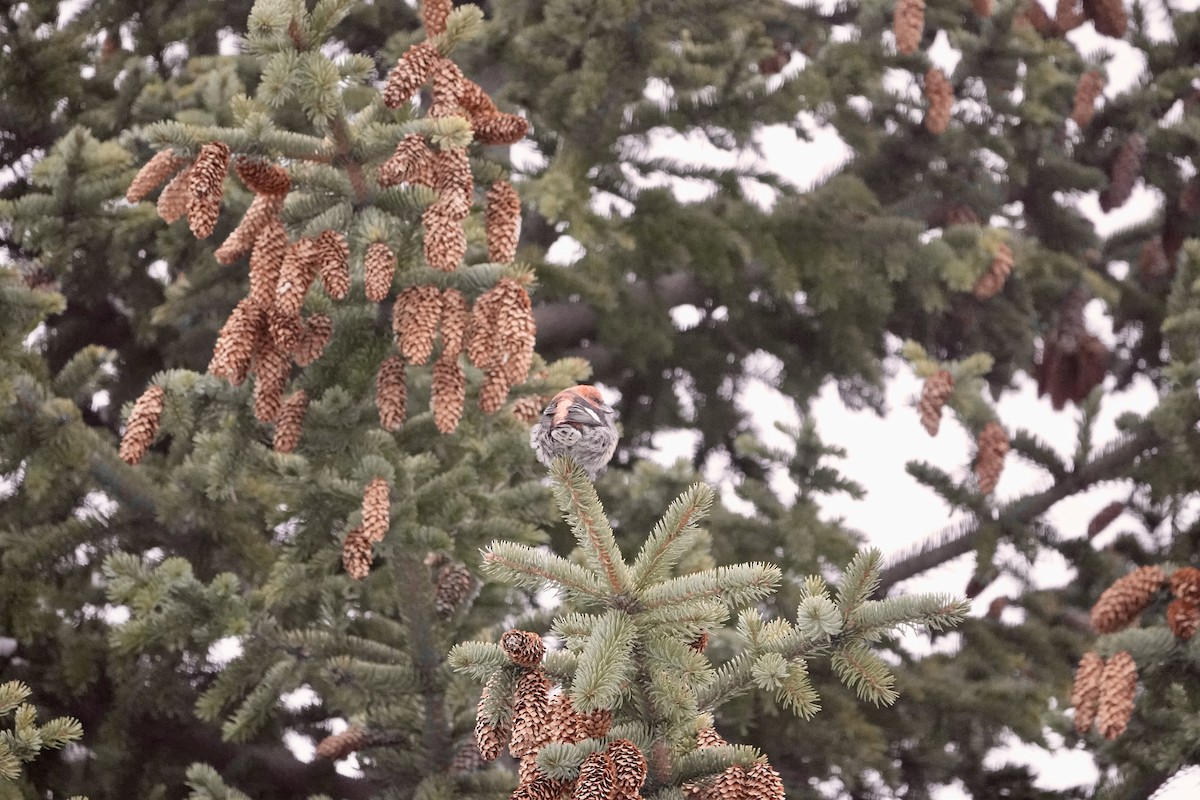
579, 406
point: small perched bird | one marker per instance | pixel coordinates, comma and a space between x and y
577, 423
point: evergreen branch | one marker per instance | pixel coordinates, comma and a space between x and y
672, 535
962, 538
1038, 452
736, 585
606, 663
12, 694
706, 761
477, 659
526, 566
561, 761
875, 619
860, 581
576, 497
860, 669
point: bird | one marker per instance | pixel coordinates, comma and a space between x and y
577, 423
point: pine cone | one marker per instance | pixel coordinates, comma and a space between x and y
456, 316
290, 422
1104, 517
934, 394
236, 343
630, 766
1152, 262
356, 554
528, 409
153, 174
524, 648
285, 330
415, 317
490, 734
296, 275
1068, 15
989, 463
449, 393
340, 745
528, 771
266, 260
939, 101
173, 201
597, 778
1072, 361
316, 332
503, 222
391, 396
1109, 16
1118, 685
1189, 198
908, 25
142, 426
517, 328
445, 241
262, 210
483, 334
447, 89
434, 14
271, 371
475, 100
1125, 170
563, 724
1183, 618
531, 698
379, 268
1090, 86
1185, 585
412, 155
376, 510
763, 782
494, 391
729, 784
263, 177
708, 737
982, 8
453, 585
410, 73
1033, 15
333, 263
501, 128
992, 281
206, 184
1120, 604
466, 759
1085, 692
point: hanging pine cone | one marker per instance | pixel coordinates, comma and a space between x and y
410, 73
456, 316
357, 555
531, 699
290, 422
1090, 86
1104, 517
934, 394
524, 648
447, 88
1068, 15
296, 275
1183, 618
1033, 15
266, 260
763, 782
1152, 262
206, 184
908, 24
528, 409
982, 8
236, 343
452, 586
449, 392
939, 101
142, 425
1109, 16
1125, 170
708, 737
1118, 686
1185, 584
597, 778
340, 745
410, 158
415, 317
379, 267
503, 222
992, 281
989, 463
434, 14
1085, 692
153, 174
1072, 361
173, 201
1120, 604
333, 263
630, 767
263, 177
376, 510
271, 369
314, 336
490, 734
500, 128
391, 395
517, 328
284, 330
563, 724
445, 241
467, 758
262, 210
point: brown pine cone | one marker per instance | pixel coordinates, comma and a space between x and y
262, 210
153, 174
1185, 584
934, 394
340, 745
271, 371
992, 281
1189, 198
266, 260
989, 463
490, 734
236, 343
501, 128
730, 783
1125, 170
391, 396
563, 724
524, 648
493, 391
1090, 86
1068, 15
445, 240
410, 73
1120, 604
466, 759
1152, 262
1104, 517
908, 23
517, 329
1109, 16
206, 184
379, 268
315, 335
434, 14
531, 699
290, 422
456, 316
448, 87
982, 8
376, 510
452, 586
1118, 685
1072, 361
939, 101
415, 317
528, 409
284, 330
412, 155
503, 222
333, 263
1183, 618
173, 201
449, 393
708, 737
1033, 15
263, 177
630, 766
597, 778
595, 724
1085, 692
475, 100
142, 426
357, 556
296, 275
763, 782
483, 334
